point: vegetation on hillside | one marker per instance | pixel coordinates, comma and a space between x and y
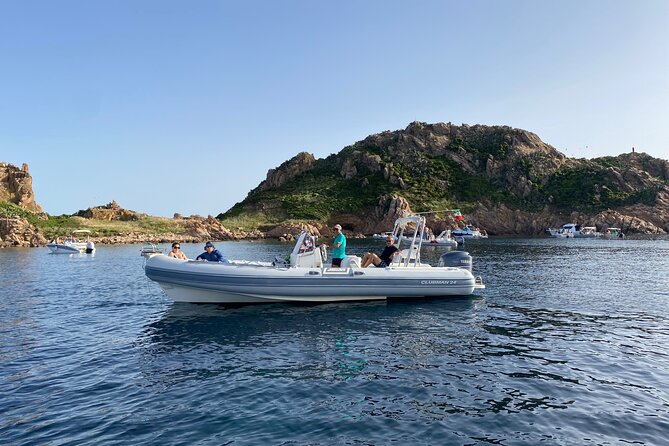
63, 225
589, 188
431, 181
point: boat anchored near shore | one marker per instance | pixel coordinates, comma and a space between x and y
572, 230
307, 278
72, 245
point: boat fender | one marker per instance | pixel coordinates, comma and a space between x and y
324, 253
458, 259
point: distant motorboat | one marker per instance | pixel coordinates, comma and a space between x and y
149, 249
445, 239
613, 233
383, 236
572, 230
306, 277
469, 232
72, 245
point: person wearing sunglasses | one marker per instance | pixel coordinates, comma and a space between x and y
338, 247
176, 252
381, 260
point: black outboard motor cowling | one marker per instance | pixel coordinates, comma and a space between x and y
458, 259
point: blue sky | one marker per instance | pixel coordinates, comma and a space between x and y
174, 106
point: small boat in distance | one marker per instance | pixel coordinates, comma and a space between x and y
383, 235
613, 233
444, 239
572, 230
72, 245
469, 232
149, 249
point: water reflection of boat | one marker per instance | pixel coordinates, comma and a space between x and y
307, 278
72, 245
185, 324
294, 342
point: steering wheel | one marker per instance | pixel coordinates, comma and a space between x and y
324, 252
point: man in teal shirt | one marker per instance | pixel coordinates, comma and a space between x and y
338, 247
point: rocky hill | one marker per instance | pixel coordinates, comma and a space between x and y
16, 186
505, 180
18, 203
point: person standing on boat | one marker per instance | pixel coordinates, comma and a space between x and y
176, 252
338, 247
382, 260
211, 254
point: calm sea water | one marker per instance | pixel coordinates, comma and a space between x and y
569, 344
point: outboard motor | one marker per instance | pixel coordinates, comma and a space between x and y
457, 259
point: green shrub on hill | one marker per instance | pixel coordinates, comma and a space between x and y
588, 188
10, 210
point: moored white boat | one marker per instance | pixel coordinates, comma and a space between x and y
308, 278
572, 230
469, 232
149, 249
72, 245
383, 235
444, 239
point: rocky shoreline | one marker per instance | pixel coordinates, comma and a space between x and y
498, 220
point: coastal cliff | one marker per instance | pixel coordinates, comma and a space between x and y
505, 180
16, 186
18, 207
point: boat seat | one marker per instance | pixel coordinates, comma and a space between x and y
351, 262
309, 259
400, 259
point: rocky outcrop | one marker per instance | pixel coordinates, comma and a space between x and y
295, 166
207, 229
110, 211
506, 180
16, 186
20, 233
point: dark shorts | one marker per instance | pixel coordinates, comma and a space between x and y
382, 264
336, 262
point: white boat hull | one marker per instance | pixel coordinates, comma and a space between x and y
188, 294
449, 242
208, 282
66, 248
572, 230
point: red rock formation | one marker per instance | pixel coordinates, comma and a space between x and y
16, 186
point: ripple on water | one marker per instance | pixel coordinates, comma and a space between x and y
565, 346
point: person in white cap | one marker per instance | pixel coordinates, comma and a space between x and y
338, 247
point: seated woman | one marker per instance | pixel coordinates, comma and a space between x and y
382, 260
176, 252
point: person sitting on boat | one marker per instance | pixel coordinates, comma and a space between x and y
382, 260
176, 252
211, 254
338, 247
